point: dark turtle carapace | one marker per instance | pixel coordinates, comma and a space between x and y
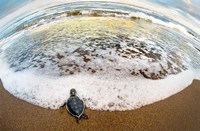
75, 106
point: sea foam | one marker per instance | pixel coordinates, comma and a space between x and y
98, 92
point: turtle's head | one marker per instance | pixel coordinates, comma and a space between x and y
72, 92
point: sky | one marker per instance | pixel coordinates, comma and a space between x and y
190, 6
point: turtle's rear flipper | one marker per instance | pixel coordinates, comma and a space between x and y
84, 116
78, 120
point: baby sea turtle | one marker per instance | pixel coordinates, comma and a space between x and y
75, 106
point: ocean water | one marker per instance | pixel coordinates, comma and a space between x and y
117, 56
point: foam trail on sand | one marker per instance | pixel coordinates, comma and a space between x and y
110, 93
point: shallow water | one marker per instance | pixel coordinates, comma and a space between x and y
117, 57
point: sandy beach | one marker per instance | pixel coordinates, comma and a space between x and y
178, 112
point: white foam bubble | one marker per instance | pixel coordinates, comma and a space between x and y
102, 92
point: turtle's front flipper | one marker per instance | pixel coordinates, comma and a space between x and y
64, 104
84, 116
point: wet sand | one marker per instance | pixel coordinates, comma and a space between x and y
178, 112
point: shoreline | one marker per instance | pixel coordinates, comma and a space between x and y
178, 112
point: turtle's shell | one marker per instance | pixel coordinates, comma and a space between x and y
75, 106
